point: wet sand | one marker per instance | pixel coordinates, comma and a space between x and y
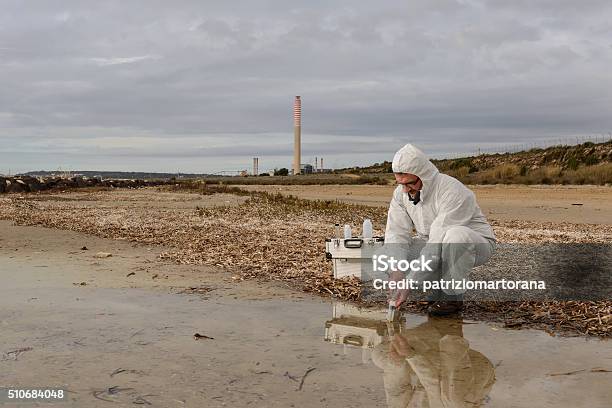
135, 333
499, 202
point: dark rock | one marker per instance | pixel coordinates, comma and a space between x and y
32, 183
23, 184
15, 186
79, 182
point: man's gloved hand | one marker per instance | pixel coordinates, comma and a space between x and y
397, 295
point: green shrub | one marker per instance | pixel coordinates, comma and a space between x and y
461, 172
505, 171
464, 162
572, 163
598, 174
591, 160
281, 172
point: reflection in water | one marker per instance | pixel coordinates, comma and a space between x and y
430, 365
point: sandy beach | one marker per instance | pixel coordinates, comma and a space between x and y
573, 204
120, 329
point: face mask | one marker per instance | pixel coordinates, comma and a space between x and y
416, 199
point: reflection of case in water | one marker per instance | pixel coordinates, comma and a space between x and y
364, 328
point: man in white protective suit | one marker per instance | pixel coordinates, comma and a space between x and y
451, 230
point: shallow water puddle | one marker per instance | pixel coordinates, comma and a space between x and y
447, 362
129, 346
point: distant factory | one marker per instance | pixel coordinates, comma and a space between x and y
297, 167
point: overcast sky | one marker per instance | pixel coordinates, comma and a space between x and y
204, 86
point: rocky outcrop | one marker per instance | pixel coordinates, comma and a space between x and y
565, 157
28, 184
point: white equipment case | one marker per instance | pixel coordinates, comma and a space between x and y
353, 256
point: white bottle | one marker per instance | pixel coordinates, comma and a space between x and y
367, 229
337, 235
348, 234
337, 231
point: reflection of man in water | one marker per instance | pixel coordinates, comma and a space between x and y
432, 365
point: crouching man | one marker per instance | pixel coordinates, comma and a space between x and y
450, 228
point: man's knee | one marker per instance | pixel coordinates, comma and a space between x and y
458, 235
471, 241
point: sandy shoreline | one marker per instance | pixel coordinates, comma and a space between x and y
266, 238
120, 329
499, 202
130, 339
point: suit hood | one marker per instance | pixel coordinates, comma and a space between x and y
411, 160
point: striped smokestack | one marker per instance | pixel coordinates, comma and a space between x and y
297, 135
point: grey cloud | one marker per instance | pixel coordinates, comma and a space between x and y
449, 72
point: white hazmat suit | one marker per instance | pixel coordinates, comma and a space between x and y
448, 221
